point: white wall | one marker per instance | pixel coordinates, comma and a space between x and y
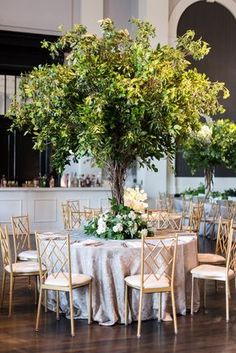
45, 16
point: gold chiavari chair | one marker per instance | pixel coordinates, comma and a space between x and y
56, 274
66, 216
14, 269
73, 214
195, 218
219, 257
158, 257
90, 213
159, 220
161, 202
170, 203
211, 220
187, 207
217, 273
21, 239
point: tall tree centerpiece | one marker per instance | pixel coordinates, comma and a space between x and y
213, 145
116, 98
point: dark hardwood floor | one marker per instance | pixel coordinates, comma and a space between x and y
206, 332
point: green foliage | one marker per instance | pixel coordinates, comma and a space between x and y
229, 192
121, 222
116, 98
214, 144
194, 191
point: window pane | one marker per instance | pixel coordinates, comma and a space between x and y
2, 88
10, 90
18, 79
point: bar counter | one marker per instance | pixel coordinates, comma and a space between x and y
43, 205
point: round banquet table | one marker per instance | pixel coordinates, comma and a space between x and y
109, 262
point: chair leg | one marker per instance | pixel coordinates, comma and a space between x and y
140, 313
160, 307
35, 291
204, 293
11, 294
227, 300
39, 309
126, 303
71, 313
45, 300
57, 304
90, 303
192, 290
3, 288
174, 311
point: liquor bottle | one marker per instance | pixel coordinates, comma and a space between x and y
51, 182
3, 181
44, 181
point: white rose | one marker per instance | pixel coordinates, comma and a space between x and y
132, 215
144, 232
115, 229
119, 227
101, 226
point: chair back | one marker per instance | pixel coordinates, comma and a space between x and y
231, 253
66, 216
163, 220
158, 258
90, 213
21, 234
5, 247
196, 217
230, 210
223, 232
54, 256
74, 214
214, 211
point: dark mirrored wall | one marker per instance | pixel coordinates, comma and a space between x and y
20, 52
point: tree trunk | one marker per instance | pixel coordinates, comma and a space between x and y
209, 180
117, 175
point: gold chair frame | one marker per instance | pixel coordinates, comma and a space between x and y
158, 259
21, 234
218, 273
219, 257
55, 261
8, 268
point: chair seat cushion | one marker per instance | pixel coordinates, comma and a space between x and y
212, 272
28, 255
151, 282
23, 267
62, 279
211, 258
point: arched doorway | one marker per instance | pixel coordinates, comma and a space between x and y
216, 25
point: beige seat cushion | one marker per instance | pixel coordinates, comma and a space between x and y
23, 267
62, 279
211, 272
211, 258
151, 282
28, 255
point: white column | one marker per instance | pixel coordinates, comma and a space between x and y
88, 13
155, 12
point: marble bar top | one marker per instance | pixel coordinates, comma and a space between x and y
47, 189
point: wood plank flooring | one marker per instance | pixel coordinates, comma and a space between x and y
206, 332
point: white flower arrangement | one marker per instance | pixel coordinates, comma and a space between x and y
120, 223
135, 199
